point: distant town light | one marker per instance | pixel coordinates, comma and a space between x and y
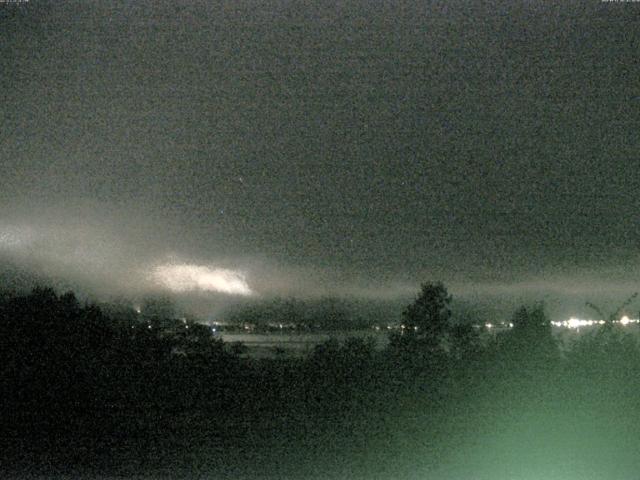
572, 323
575, 323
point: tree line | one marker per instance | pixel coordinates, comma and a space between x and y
70, 372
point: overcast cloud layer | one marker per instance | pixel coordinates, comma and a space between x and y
348, 147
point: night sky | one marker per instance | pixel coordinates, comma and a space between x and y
313, 148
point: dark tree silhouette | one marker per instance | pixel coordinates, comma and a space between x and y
428, 316
531, 338
531, 323
425, 325
464, 341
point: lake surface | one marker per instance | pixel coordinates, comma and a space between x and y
300, 344
264, 345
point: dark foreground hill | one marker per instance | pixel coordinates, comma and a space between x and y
95, 396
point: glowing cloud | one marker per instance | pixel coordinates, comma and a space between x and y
185, 278
12, 236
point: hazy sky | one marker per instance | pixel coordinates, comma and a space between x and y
357, 147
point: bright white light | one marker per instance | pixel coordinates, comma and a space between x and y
185, 278
576, 323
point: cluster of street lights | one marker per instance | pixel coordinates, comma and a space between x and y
574, 322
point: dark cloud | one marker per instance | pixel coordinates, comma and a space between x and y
347, 147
